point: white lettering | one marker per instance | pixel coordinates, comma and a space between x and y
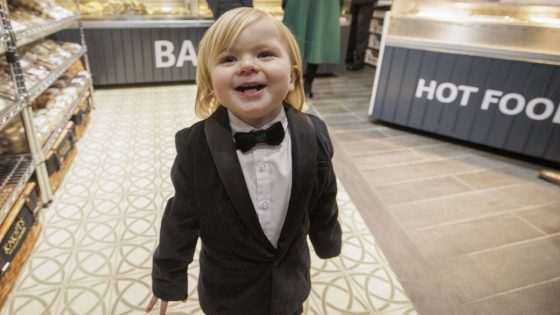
519, 104
187, 53
467, 90
441, 91
164, 50
490, 96
547, 112
556, 118
511, 104
165, 57
431, 90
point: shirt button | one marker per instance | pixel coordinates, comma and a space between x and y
262, 166
264, 205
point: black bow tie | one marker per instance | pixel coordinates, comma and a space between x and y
273, 135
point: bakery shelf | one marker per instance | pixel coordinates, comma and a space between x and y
84, 93
15, 172
10, 111
39, 31
37, 90
42, 86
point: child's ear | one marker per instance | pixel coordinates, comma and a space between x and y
294, 75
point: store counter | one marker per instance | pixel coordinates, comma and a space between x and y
142, 51
487, 73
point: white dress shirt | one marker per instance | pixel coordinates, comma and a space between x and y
267, 171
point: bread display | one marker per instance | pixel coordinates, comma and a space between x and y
49, 110
37, 63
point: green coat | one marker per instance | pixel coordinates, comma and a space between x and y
316, 26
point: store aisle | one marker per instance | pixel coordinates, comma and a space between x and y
466, 229
94, 256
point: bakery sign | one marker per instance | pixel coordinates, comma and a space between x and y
511, 104
166, 55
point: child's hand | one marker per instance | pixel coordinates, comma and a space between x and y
153, 301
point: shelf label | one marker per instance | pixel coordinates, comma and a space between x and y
165, 56
13, 240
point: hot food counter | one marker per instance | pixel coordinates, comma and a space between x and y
487, 72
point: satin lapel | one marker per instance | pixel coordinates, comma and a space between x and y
218, 136
304, 173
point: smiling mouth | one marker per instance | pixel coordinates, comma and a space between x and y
250, 88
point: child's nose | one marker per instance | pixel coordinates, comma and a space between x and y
248, 65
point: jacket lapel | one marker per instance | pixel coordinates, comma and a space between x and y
304, 174
222, 149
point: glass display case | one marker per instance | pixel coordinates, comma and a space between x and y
482, 71
158, 9
520, 25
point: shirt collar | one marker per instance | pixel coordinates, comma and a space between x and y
238, 125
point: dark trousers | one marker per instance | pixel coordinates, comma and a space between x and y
222, 6
359, 32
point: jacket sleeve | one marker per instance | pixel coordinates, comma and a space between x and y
324, 231
179, 232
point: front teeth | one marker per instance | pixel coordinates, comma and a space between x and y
253, 88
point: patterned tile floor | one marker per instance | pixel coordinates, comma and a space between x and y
94, 256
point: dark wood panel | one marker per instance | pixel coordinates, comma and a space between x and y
380, 100
147, 55
108, 59
516, 81
455, 111
480, 71
443, 72
408, 87
540, 135
175, 72
157, 73
118, 56
521, 127
128, 54
138, 57
499, 71
394, 79
420, 105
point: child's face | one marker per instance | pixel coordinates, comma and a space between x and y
252, 78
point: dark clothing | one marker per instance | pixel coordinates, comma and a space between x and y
363, 2
359, 30
308, 77
219, 7
240, 270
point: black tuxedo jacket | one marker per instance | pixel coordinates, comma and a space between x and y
240, 270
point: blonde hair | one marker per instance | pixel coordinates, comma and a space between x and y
221, 35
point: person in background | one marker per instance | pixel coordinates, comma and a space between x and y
219, 7
316, 26
252, 180
361, 11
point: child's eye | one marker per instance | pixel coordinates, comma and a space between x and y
227, 59
264, 54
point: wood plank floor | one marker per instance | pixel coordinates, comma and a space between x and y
466, 229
